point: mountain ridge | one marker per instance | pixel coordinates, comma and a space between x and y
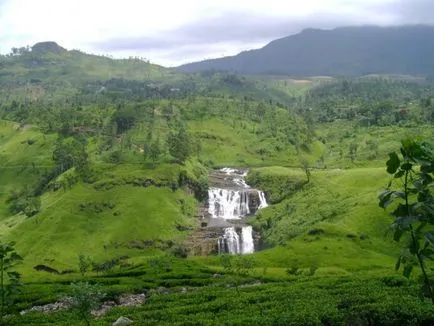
343, 51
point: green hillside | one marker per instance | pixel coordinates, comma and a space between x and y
109, 160
333, 222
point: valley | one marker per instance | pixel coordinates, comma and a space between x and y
235, 199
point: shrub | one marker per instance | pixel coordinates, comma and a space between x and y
85, 297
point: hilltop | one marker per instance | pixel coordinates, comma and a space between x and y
344, 51
47, 70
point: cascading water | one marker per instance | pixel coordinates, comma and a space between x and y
248, 246
228, 204
262, 200
231, 242
233, 200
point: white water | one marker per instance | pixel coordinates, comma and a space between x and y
262, 200
233, 204
228, 204
247, 240
231, 242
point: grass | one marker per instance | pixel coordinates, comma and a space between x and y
331, 227
306, 301
373, 143
333, 222
237, 144
63, 229
340, 203
24, 154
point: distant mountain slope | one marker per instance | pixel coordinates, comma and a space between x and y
339, 52
47, 70
47, 61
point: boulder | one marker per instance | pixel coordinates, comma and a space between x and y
122, 321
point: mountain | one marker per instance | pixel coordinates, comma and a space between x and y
48, 69
342, 51
49, 62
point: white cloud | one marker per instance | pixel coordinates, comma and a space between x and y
183, 30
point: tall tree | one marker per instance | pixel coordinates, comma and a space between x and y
179, 143
9, 279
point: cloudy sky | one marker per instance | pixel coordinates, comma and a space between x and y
172, 32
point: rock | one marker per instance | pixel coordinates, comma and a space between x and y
183, 290
161, 290
122, 321
106, 306
129, 300
132, 300
217, 276
50, 307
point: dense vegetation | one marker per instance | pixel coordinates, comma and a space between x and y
371, 101
103, 164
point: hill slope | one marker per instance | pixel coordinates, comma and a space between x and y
337, 52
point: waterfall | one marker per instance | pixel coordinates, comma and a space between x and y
247, 240
221, 245
231, 241
231, 202
262, 200
228, 204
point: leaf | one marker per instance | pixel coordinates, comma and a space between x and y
400, 211
399, 174
398, 234
420, 227
414, 247
404, 222
429, 237
385, 198
427, 253
393, 163
16, 257
407, 270
406, 166
398, 263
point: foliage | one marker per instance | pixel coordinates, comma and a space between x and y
10, 280
413, 204
83, 264
179, 143
155, 150
357, 299
306, 169
24, 201
369, 101
70, 153
237, 268
85, 297
161, 263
